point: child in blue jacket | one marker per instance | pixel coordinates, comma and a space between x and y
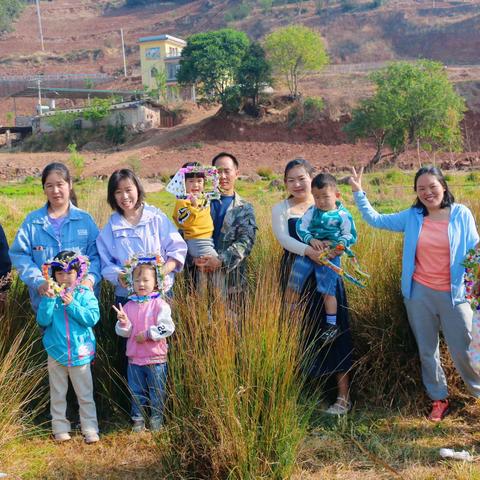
67, 316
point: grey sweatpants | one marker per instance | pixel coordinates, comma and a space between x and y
201, 247
430, 311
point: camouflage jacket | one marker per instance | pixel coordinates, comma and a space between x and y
236, 239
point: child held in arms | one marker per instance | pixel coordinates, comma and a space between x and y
146, 321
191, 213
327, 225
67, 314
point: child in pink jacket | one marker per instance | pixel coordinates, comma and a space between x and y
146, 321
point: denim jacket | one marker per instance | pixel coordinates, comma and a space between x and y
462, 235
36, 243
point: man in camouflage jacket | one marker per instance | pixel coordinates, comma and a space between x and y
234, 229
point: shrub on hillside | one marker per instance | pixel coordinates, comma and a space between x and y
238, 12
9, 11
305, 111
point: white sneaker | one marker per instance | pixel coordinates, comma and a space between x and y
91, 437
62, 437
340, 407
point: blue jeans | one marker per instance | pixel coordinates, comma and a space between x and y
147, 384
303, 267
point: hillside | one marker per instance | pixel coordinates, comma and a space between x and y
84, 35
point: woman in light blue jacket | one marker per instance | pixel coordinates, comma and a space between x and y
135, 227
437, 235
59, 225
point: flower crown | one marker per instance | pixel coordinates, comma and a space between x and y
66, 265
472, 276
155, 260
177, 187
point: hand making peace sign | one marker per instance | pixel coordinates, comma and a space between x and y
121, 315
355, 180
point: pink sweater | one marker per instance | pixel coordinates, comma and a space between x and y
153, 317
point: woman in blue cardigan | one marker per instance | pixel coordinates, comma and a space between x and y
437, 235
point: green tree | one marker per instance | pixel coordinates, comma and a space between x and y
65, 123
293, 51
414, 103
211, 61
9, 11
76, 160
98, 109
254, 73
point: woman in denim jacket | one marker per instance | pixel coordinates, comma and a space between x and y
57, 226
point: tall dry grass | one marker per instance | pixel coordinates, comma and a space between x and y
235, 408
21, 370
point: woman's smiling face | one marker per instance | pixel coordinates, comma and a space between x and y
126, 195
298, 182
429, 191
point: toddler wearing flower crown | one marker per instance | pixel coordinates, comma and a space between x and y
67, 316
146, 320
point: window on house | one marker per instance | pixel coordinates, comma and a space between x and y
153, 72
172, 71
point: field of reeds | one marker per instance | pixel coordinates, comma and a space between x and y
238, 405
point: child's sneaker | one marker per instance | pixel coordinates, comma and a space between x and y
91, 437
138, 425
340, 407
328, 334
440, 408
62, 437
156, 423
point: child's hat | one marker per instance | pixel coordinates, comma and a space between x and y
176, 186
66, 260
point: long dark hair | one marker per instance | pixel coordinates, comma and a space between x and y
63, 171
448, 198
115, 178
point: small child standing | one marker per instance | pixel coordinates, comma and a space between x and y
327, 224
67, 314
146, 321
191, 213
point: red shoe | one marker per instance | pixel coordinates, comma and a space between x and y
440, 408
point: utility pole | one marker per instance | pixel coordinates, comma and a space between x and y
40, 24
39, 98
123, 52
